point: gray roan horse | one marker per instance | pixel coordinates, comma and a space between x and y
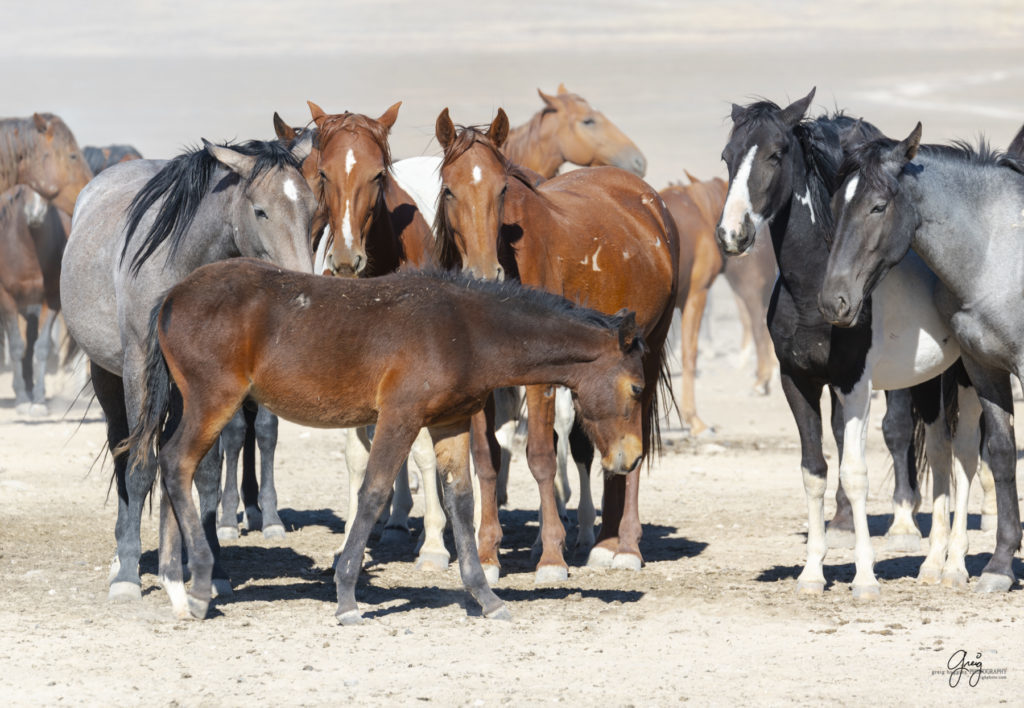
139, 228
962, 211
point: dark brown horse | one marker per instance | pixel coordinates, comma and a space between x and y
100, 158
403, 352
42, 153
598, 236
696, 208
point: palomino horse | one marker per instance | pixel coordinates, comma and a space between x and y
42, 153
568, 129
782, 171
958, 209
590, 235
31, 244
245, 330
696, 208
140, 227
100, 158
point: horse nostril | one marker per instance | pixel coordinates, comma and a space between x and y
720, 234
499, 273
358, 263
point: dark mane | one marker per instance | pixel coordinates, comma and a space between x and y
354, 123
446, 250
183, 183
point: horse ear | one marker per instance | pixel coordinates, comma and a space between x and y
693, 180
499, 128
302, 145
737, 113
907, 149
444, 129
282, 130
390, 116
562, 90
232, 159
550, 102
317, 112
794, 112
627, 329
42, 125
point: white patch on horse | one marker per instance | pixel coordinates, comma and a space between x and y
350, 161
290, 190
806, 201
302, 301
586, 259
851, 189
595, 259
323, 252
346, 226
625, 255
477, 174
737, 203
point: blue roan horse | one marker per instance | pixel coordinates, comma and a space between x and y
139, 228
962, 210
781, 171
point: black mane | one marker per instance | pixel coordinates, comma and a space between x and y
184, 182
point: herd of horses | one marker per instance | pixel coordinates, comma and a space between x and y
314, 277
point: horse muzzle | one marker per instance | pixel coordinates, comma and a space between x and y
837, 308
736, 242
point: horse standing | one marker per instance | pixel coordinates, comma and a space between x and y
139, 228
591, 236
41, 152
100, 158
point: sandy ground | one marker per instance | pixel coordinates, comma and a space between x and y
713, 616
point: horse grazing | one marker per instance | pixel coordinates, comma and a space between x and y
100, 158
568, 129
244, 330
41, 152
590, 235
139, 228
695, 208
958, 208
782, 171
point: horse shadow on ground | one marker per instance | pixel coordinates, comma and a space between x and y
889, 569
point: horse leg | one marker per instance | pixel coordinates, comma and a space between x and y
433, 555
397, 526
996, 396
898, 431
486, 458
804, 398
452, 450
693, 313
966, 445
207, 481
250, 485
506, 411
357, 456
565, 417
171, 570
231, 440
41, 355
939, 457
392, 439
840, 529
583, 453
989, 507
540, 455
265, 426
16, 350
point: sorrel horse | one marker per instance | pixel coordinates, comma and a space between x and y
695, 208
958, 208
590, 235
139, 228
369, 336
568, 129
782, 171
41, 152
100, 158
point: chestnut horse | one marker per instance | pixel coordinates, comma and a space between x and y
599, 236
696, 208
245, 330
42, 153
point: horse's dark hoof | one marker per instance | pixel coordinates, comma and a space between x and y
274, 533
197, 608
253, 518
227, 533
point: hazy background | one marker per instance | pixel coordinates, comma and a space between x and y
162, 75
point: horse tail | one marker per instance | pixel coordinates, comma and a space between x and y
156, 400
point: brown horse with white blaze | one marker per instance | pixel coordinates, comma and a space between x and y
340, 352
598, 236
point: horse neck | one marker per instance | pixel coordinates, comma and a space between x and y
534, 146
211, 235
530, 219
14, 148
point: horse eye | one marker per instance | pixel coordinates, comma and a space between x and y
636, 390
323, 175
588, 121
447, 193
381, 175
879, 208
775, 157
260, 214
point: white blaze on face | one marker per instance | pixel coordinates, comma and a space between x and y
737, 203
290, 190
477, 174
851, 189
346, 226
350, 161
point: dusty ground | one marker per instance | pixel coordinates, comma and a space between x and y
713, 616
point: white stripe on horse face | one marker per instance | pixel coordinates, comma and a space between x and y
290, 190
737, 202
477, 174
350, 161
346, 226
851, 188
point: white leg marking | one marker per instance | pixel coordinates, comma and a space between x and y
357, 455
350, 161
965, 465
433, 552
853, 471
812, 578
851, 189
176, 593
290, 190
322, 253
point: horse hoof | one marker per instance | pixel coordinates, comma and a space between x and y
993, 582
627, 561
501, 613
929, 576
197, 608
23, 409
866, 592
840, 538
989, 522
221, 587
492, 573
39, 410
394, 534
760, 389
810, 587
349, 618
548, 574
274, 533
253, 518
432, 562
600, 557
903, 543
955, 579
124, 591
227, 533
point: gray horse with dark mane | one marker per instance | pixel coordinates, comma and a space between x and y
139, 228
